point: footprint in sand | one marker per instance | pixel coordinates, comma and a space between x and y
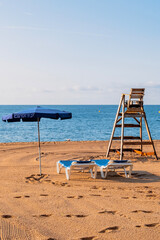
76, 197
34, 178
94, 187
78, 215
26, 196
151, 225
143, 211
109, 212
102, 188
45, 215
43, 195
124, 197
6, 216
70, 196
42, 215
109, 229
138, 226
47, 181
63, 184
79, 197
87, 238
95, 195
17, 197
68, 215
151, 195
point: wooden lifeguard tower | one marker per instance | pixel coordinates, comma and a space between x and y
131, 109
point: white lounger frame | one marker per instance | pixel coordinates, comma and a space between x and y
92, 167
112, 166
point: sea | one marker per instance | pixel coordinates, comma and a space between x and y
89, 122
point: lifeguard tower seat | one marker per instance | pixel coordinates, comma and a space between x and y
135, 102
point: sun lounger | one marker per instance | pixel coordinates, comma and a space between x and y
106, 164
77, 165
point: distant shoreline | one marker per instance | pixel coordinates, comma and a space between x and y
67, 141
54, 142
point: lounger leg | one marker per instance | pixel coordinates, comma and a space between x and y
58, 167
130, 171
104, 174
126, 175
93, 175
68, 173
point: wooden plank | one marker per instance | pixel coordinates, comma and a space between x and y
124, 150
149, 134
132, 115
127, 138
119, 119
122, 128
134, 110
141, 133
129, 149
137, 120
137, 95
114, 126
138, 143
137, 89
128, 125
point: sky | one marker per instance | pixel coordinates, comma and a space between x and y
78, 51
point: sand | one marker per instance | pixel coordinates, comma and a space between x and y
82, 208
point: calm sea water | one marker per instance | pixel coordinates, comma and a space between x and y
89, 122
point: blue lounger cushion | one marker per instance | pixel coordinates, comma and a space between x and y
120, 161
101, 162
67, 163
89, 161
104, 162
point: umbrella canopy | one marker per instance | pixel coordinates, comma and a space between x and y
35, 115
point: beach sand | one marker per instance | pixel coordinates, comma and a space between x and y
83, 208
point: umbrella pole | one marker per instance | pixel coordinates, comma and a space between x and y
39, 147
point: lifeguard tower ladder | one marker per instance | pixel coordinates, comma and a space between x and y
131, 109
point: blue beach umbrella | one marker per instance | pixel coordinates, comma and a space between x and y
35, 115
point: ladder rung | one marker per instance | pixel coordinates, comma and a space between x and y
124, 150
126, 137
131, 115
128, 125
138, 143
129, 150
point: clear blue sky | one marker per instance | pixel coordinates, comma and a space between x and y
78, 51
